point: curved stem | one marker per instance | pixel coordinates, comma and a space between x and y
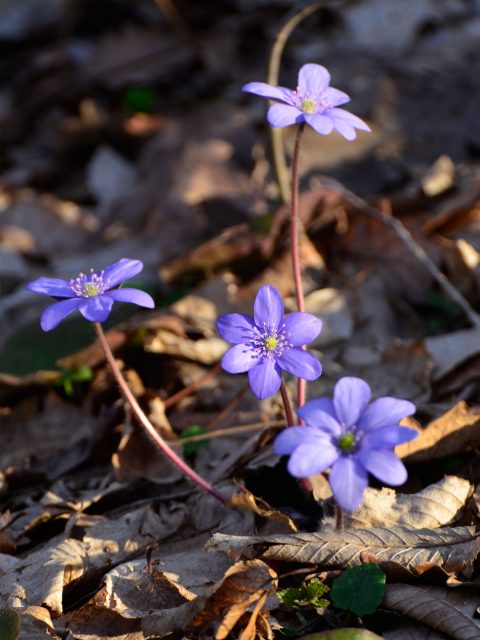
147, 425
294, 246
286, 405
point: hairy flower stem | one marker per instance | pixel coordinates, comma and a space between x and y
286, 405
294, 246
147, 425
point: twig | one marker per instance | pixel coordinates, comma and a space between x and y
229, 408
406, 237
193, 386
230, 431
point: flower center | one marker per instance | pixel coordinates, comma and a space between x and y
309, 106
270, 342
88, 285
347, 443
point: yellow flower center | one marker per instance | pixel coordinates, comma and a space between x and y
346, 443
90, 289
270, 343
309, 106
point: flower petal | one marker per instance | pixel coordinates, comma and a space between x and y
268, 308
384, 412
120, 271
236, 328
300, 363
384, 465
302, 328
334, 97
344, 129
289, 439
350, 118
307, 460
96, 309
265, 378
55, 313
313, 78
239, 359
348, 480
268, 91
350, 399
320, 122
135, 296
54, 287
390, 436
320, 414
283, 115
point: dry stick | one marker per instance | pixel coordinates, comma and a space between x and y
229, 408
183, 393
230, 431
406, 237
147, 425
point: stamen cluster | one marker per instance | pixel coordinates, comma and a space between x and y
87, 286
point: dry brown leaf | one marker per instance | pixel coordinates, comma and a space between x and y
454, 432
66, 560
447, 611
450, 350
435, 506
243, 585
452, 549
273, 521
221, 605
95, 623
415, 631
35, 624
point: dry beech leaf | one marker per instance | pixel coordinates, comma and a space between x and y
452, 549
415, 631
454, 432
222, 605
243, 585
435, 506
66, 560
447, 611
273, 521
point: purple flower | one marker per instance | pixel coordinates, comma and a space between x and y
314, 102
269, 342
352, 437
93, 294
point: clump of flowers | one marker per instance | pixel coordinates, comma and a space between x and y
313, 102
352, 437
269, 342
93, 294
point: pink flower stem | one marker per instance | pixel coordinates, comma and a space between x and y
286, 405
147, 425
294, 246
338, 518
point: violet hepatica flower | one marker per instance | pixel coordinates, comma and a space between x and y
352, 437
313, 102
269, 343
93, 294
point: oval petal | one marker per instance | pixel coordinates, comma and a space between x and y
134, 296
54, 287
120, 271
348, 480
308, 459
384, 465
301, 328
268, 308
313, 79
236, 328
55, 313
239, 359
265, 378
96, 309
350, 398
300, 363
284, 115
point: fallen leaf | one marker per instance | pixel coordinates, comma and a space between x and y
452, 549
415, 631
343, 634
450, 350
454, 432
435, 506
447, 611
273, 521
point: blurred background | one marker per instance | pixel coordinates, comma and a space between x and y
125, 133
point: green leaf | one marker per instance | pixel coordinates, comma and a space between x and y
9, 624
69, 376
189, 448
343, 634
140, 99
308, 595
359, 589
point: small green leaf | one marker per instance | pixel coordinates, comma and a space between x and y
189, 448
359, 589
69, 376
343, 634
308, 595
9, 624
140, 99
